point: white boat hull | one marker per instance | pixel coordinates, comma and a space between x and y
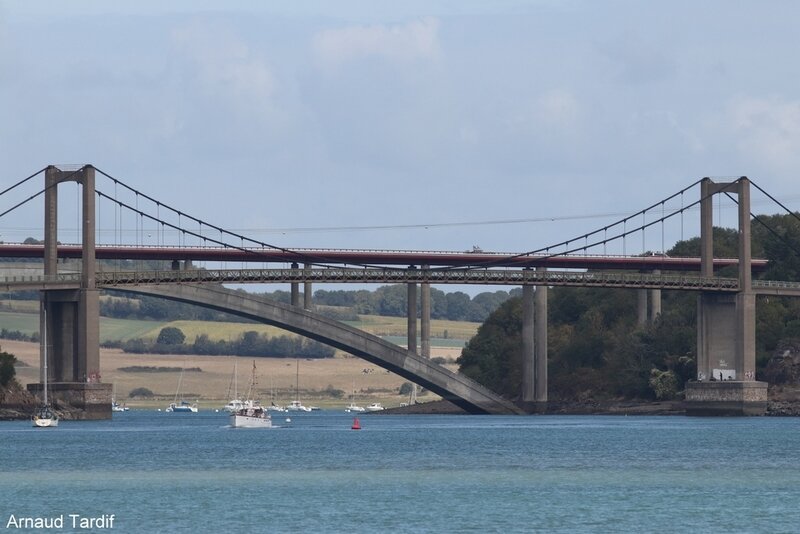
44, 422
183, 407
261, 420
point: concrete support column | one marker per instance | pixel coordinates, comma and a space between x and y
745, 299
87, 366
641, 307
307, 291
425, 317
412, 317
88, 228
295, 288
540, 341
655, 302
528, 351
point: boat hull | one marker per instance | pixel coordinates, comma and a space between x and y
44, 422
250, 421
182, 408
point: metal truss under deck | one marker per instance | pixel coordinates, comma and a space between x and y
506, 277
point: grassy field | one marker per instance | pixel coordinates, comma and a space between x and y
443, 333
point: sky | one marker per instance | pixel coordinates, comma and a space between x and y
424, 125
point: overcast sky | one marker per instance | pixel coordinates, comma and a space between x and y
274, 117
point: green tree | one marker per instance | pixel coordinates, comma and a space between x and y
7, 369
170, 335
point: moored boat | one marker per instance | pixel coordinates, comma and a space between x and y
182, 407
374, 407
297, 406
44, 416
354, 408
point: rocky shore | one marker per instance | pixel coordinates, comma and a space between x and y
780, 407
16, 403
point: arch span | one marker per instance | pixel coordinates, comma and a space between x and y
456, 388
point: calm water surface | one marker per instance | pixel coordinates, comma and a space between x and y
159, 472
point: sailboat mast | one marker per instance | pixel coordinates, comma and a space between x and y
297, 382
44, 353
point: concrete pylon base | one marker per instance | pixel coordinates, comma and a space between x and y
533, 407
729, 398
83, 401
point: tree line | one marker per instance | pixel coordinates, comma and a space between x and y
390, 300
172, 340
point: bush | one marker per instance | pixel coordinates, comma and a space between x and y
7, 370
331, 391
170, 336
405, 388
664, 384
140, 392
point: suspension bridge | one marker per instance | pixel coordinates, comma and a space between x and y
70, 297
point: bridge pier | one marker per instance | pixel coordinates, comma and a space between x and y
295, 287
534, 347
655, 301
726, 379
425, 317
645, 315
411, 307
307, 295
72, 335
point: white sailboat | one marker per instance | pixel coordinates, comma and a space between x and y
235, 404
183, 406
252, 414
296, 405
115, 406
353, 407
273, 407
44, 416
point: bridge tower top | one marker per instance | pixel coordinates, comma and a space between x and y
741, 188
85, 176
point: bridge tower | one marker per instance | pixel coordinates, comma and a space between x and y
73, 315
726, 362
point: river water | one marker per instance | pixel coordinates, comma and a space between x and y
159, 472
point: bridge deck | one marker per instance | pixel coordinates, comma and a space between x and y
505, 277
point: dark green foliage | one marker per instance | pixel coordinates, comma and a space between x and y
493, 356
333, 392
406, 388
171, 336
7, 370
140, 392
250, 343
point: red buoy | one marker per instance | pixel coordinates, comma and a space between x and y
356, 424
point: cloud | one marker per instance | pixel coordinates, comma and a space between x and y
768, 130
408, 42
226, 66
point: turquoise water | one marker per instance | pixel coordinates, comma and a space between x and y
159, 472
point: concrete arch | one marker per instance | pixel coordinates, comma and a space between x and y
456, 388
